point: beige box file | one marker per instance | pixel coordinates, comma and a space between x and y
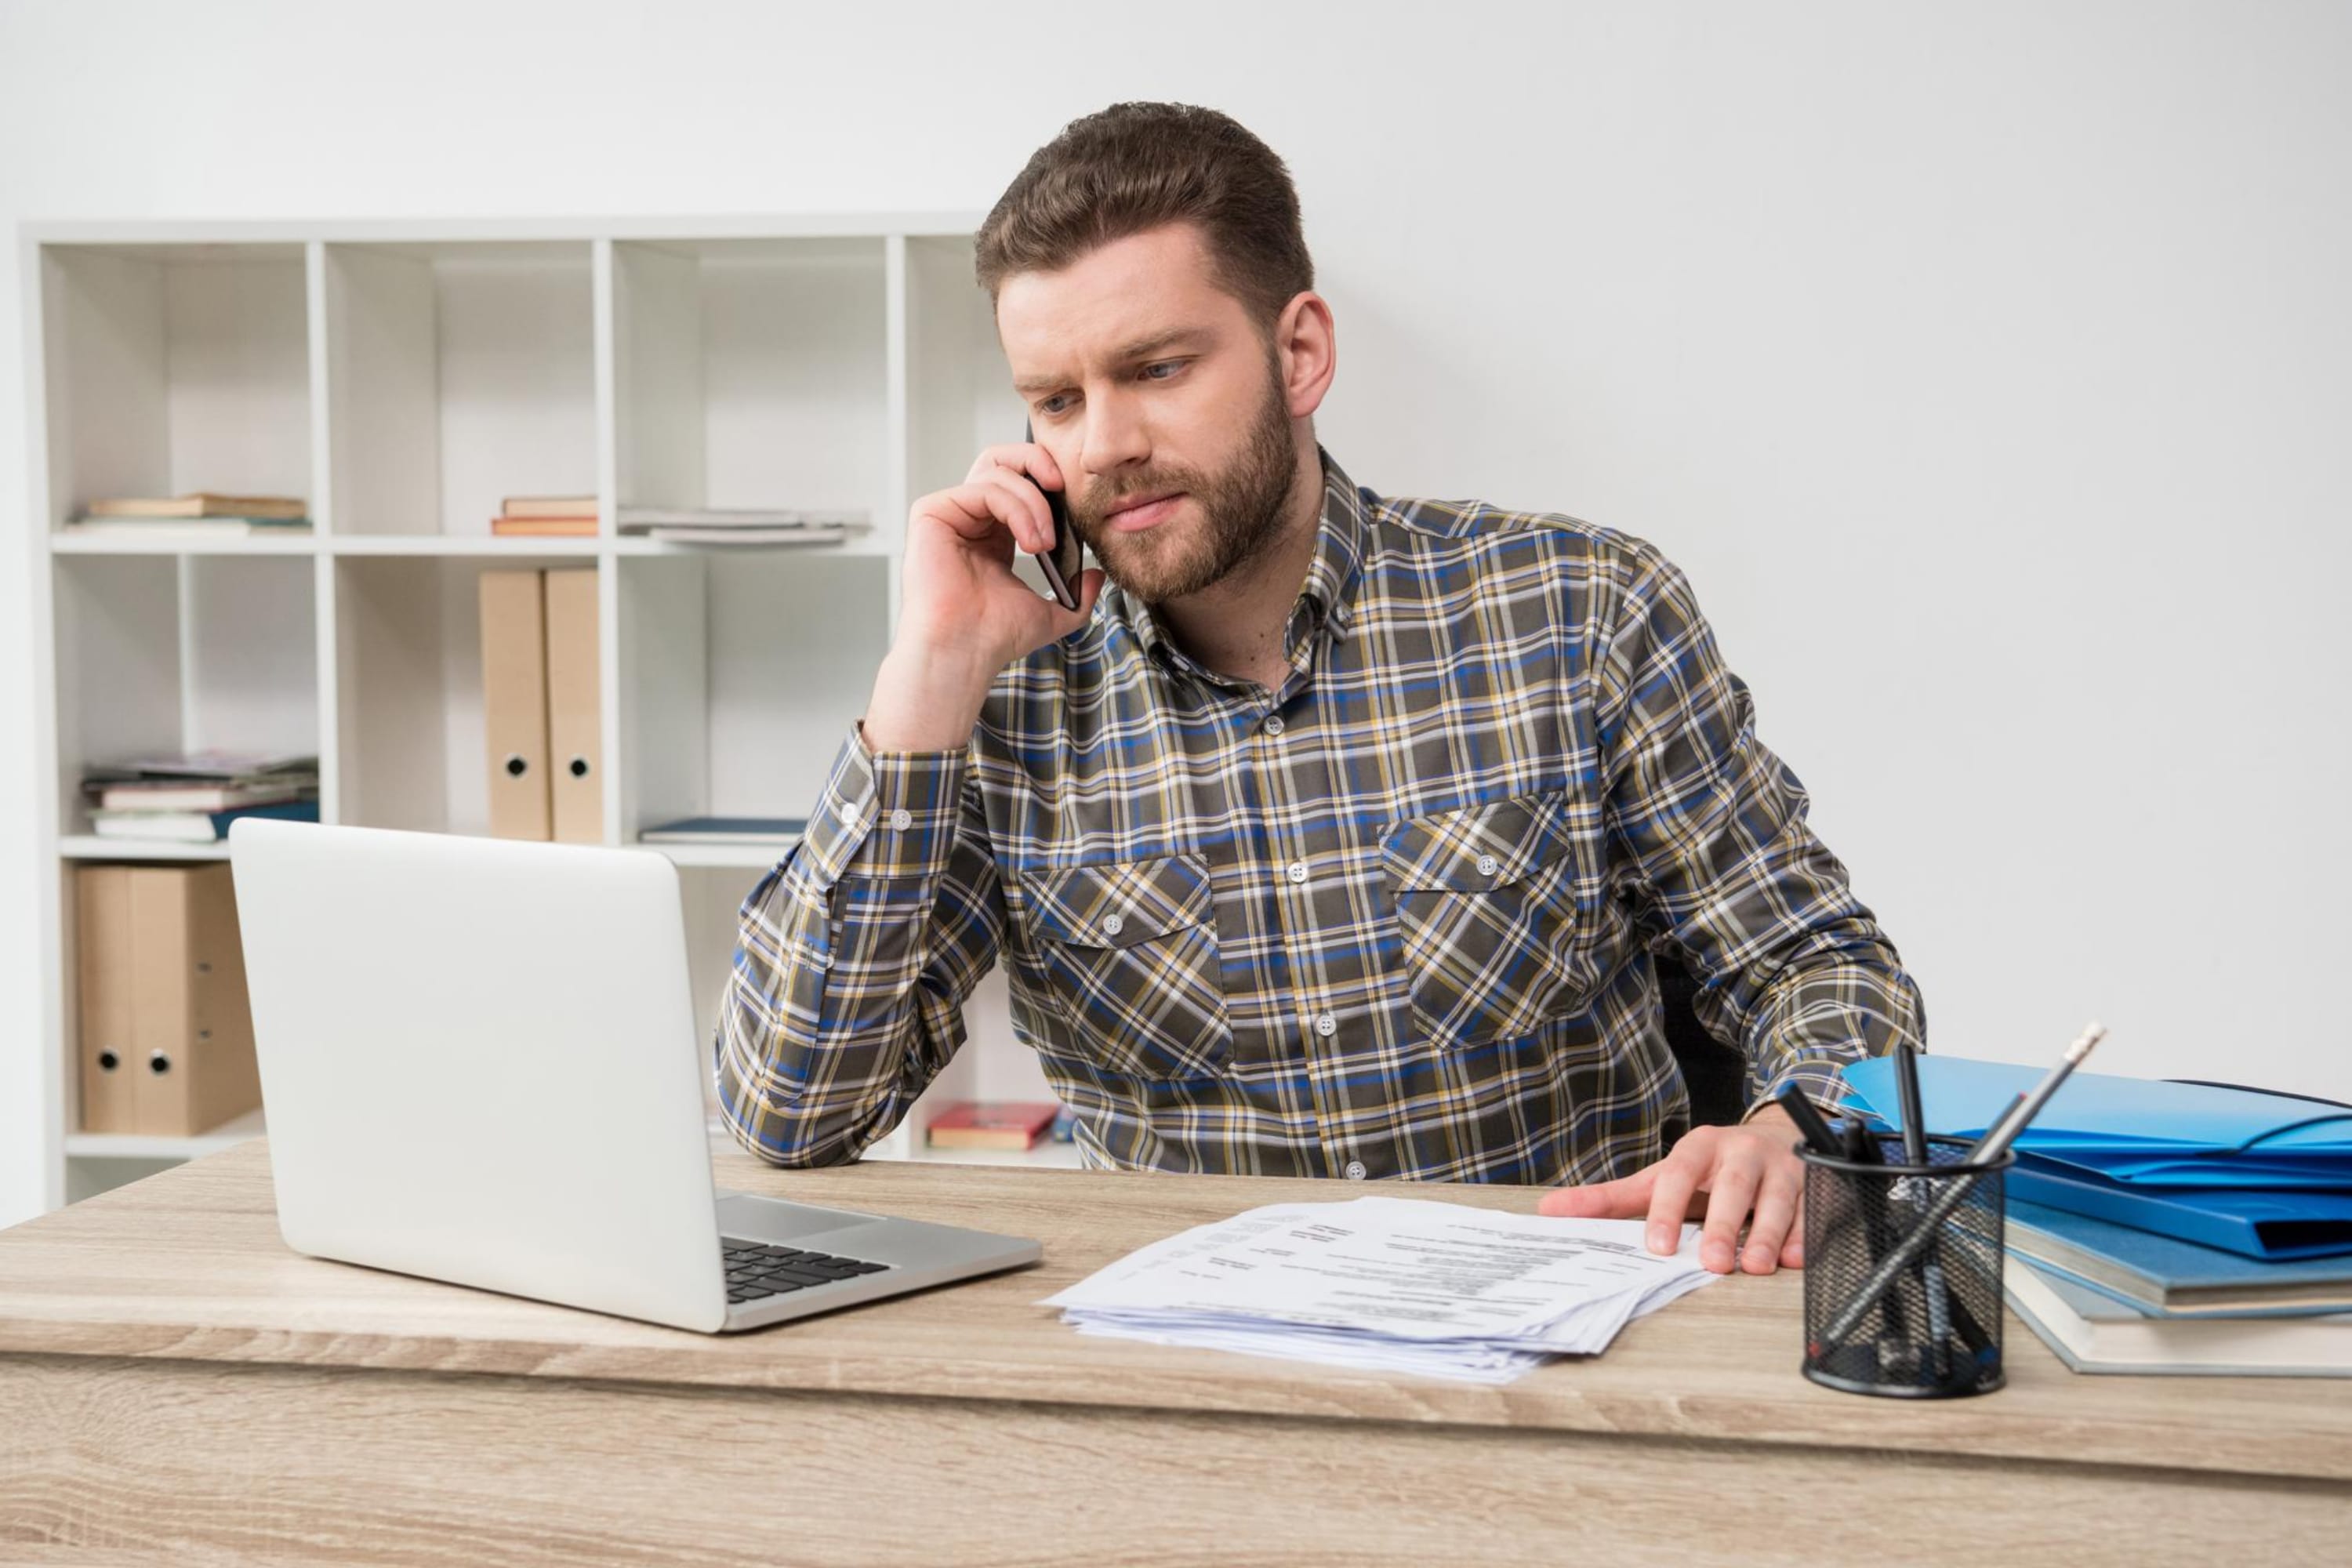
163, 988
514, 701
574, 727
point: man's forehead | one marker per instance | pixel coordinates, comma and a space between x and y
1130, 292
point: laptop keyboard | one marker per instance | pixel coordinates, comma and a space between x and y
756, 1270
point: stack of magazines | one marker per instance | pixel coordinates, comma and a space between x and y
191, 797
741, 525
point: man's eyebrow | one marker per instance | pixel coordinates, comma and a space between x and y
1140, 349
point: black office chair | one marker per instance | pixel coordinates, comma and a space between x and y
1715, 1074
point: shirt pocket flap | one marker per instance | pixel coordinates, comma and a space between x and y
1119, 905
1475, 847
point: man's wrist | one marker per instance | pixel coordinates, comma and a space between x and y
926, 700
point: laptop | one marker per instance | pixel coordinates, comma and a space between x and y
479, 1065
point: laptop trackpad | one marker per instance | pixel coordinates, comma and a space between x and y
750, 1218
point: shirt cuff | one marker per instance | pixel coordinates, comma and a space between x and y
1818, 1081
885, 813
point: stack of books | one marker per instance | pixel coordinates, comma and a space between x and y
545, 517
1015, 1126
203, 515
2161, 1226
741, 525
191, 797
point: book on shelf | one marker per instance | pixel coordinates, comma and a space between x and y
1016, 1125
746, 536
2166, 1275
546, 516
173, 529
202, 503
543, 527
775, 830
549, 507
191, 827
2092, 1331
644, 518
202, 794
219, 762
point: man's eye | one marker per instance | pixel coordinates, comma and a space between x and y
1167, 364
1048, 405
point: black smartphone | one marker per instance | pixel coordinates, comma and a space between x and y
1061, 563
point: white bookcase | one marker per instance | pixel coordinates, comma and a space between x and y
404, 377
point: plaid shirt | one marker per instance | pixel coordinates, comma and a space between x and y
1394, 919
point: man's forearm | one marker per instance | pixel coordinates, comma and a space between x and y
925, 700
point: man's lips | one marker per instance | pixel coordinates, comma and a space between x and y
1143, 511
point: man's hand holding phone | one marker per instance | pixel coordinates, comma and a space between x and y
963, 616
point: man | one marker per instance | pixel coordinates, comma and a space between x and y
1331, 833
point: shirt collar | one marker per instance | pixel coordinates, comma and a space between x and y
1329, 588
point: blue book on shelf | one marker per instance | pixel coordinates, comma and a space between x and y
284, 811
2168, 1274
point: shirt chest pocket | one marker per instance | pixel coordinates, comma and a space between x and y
1130, 955
1486, 902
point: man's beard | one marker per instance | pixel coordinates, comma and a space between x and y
1241, 512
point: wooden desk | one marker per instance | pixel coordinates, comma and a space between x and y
176, 1385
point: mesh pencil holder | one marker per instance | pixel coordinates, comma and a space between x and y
1903, 1263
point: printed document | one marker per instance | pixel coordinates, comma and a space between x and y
1382, 1283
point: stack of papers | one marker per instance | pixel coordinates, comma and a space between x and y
1389, 1285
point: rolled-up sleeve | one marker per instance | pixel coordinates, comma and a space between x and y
855, 955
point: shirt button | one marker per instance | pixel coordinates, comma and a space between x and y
847, 811
1486, 864
1297, 870
1355, 1170
1112, 925
1326, 1025
1274, 723
902, 819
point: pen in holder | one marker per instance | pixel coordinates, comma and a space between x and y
1890, 1312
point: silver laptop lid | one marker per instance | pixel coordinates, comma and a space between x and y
479, 1063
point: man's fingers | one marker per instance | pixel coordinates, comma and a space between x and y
1624, 1198
1793, 1251
1777, 1197
1670, 1199
1021, 458
1730, 1192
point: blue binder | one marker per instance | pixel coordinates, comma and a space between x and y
2266, 1225
2261, 1175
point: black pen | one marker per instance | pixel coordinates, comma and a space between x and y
1931, 1268
1818, 1136
1906, 1098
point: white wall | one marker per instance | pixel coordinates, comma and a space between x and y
1984, 364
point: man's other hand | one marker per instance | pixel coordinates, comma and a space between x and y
1748, 1175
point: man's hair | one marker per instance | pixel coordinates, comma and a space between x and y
1136, 166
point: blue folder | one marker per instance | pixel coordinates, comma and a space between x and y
2252, 1223
2262, 1176
2121, 1126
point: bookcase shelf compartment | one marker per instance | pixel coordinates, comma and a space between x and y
741, 672
175, 368
753, 373
457, 375
159, 654
410, 742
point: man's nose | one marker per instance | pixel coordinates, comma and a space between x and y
1116, 437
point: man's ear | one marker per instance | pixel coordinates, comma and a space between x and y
1305, 347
